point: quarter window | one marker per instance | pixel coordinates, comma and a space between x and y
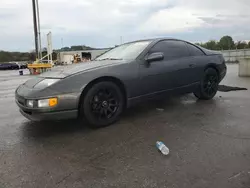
194, 51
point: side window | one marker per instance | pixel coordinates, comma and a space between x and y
171, 49
194, 51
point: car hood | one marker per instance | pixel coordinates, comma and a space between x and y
64, 71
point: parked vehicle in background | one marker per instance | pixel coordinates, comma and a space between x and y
9, 66
99, 91
58, 63
14, 66
21, 65
4, 66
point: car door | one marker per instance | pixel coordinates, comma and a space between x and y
171, 72
152, 76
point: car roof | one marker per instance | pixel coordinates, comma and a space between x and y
156, 40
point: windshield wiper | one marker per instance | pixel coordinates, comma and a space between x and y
109, 59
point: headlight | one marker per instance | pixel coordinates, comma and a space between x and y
43, 103
45, 83
47, 102
30, 103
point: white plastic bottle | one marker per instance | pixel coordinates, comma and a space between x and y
161, 146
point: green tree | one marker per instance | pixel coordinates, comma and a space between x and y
248, 45
5, 56
32, 56
75, 48
80, 47
204, 45
241, 45
212, 45
226, 43
65, 49
201, 44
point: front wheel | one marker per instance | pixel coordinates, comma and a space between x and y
103, 104
209, 85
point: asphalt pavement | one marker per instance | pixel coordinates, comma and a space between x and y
209, 144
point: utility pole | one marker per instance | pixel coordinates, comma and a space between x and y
35, 26
62, 42
39, 32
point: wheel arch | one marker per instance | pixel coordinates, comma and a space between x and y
213, 66
115, 80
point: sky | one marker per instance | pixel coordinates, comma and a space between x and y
104, 23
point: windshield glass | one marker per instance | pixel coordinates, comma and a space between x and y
125, 52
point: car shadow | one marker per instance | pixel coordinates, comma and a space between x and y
53, 128
45, 129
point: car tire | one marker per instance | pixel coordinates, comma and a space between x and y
208, 86
103, 104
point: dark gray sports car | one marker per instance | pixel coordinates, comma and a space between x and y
100, 90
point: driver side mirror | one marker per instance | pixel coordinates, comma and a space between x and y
156, 56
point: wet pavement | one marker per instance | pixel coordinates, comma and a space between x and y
209, 144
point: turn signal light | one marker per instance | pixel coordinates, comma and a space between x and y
53, 102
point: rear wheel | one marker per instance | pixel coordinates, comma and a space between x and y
103, 104
208, 85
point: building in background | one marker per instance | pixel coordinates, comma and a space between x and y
68, 57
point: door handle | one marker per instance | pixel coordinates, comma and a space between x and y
191, 65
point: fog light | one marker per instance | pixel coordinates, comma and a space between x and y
30, 103
47, 102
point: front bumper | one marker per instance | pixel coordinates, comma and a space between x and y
67, 107
36, 116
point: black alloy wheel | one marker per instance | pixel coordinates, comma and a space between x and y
209, 85
103, 104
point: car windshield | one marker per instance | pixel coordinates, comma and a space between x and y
127, 51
